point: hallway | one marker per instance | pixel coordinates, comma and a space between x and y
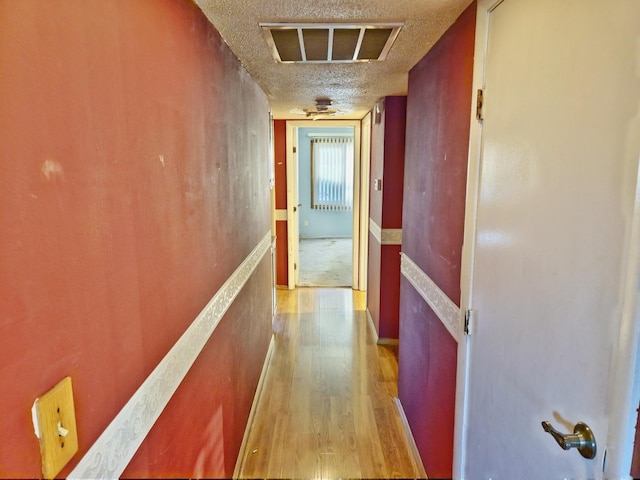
327, 406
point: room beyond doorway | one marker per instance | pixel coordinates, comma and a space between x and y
296, 204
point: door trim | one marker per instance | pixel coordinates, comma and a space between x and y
469, 238
365, 167
624, 395
292, 202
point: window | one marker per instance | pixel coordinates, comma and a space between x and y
332, 173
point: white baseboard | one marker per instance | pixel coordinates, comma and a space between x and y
242, 454
415, 454
372, 326
376, 337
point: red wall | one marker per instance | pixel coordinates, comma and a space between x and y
385, 208
200, 431
133, 182
280, 158
438, 111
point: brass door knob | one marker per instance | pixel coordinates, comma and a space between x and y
582, 438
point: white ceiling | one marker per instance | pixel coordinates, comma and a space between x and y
354, 87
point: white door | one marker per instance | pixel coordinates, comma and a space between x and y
362, 247
555, 198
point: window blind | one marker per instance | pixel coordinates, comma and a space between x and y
332, 173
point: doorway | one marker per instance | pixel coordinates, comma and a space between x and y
325, 206
316, 234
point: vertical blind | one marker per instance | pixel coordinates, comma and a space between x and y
332, 173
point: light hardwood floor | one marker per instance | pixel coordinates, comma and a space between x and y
327, 408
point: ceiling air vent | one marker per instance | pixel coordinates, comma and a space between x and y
329, 43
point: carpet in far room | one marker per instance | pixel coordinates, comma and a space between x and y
325, 262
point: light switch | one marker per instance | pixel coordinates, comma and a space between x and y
54, 420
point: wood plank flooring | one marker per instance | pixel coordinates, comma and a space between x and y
326, 409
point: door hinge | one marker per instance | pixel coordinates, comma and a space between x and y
295, 266
295, 149
469, 321
479, 105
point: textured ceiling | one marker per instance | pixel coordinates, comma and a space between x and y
353, 87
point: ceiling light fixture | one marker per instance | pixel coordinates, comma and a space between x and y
322, 109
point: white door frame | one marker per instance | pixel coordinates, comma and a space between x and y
359, 241
469, 240
292, 204
624, 393
365, 168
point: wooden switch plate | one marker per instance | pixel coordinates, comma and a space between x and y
55, 416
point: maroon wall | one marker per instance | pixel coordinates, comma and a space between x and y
385, 208
395, 123
133, 183
438, 111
